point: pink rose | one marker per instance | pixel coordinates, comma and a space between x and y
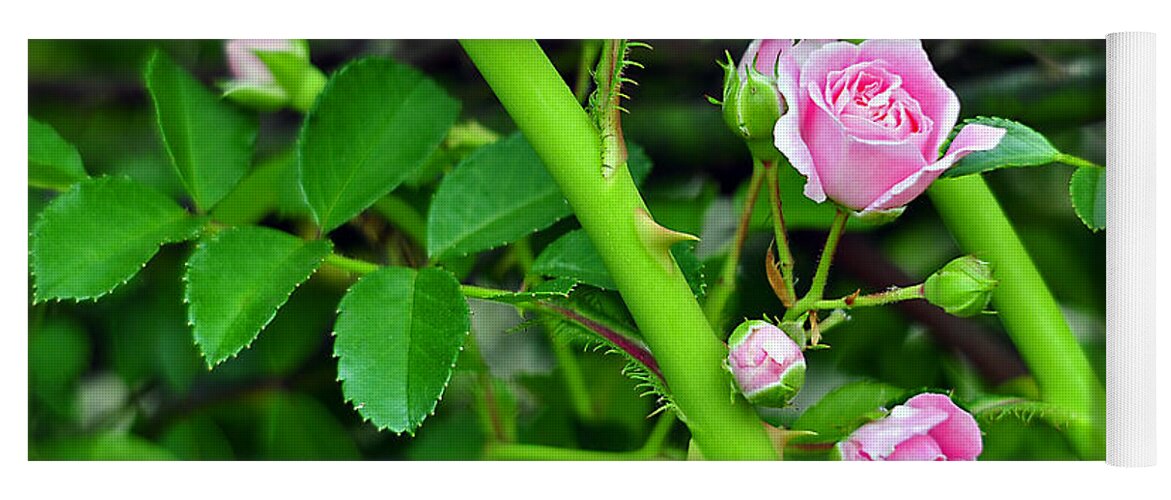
766, 364
866, 122
927, 427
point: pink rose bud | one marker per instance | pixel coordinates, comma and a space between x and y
269, 74
866, 123
247, 67
767, 366
927, 427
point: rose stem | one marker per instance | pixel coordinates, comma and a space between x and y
609, 208
1027, 309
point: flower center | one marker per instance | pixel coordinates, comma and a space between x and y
872, 103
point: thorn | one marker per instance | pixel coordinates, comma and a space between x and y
656, 236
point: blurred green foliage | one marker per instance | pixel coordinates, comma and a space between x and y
121, 378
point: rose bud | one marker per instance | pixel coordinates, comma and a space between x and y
767, 366
866, 124
963, 287
752, 102
270, 74
926, 427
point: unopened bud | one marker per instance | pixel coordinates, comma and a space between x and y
963, 287
752, 105
767, 366
271, 74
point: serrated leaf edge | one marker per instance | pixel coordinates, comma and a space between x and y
310, 117
1089, 225
191, 322
360, 406
38, 299
984, 120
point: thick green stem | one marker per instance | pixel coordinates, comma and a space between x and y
719, 294
1026, 307
785, 255
637, 256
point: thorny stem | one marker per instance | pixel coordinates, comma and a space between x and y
875, 299
1027, 308
725, 286
817, 288
785, 255
608, 206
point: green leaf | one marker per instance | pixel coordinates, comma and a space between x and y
52, 162
209, 140
399, 332
573, 256
238, 280
1021, 146
1087, 192
374, 124
497, 195
107, 447
846, 408
99, 234
298, 427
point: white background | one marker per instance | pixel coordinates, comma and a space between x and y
544, 19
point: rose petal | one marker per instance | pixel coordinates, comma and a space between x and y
765, 52
755, 379
972, 138
851, 452
782, 349
855, 172
244, 64
921, 448
958, 436
878, 439
792, 84
921, 81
